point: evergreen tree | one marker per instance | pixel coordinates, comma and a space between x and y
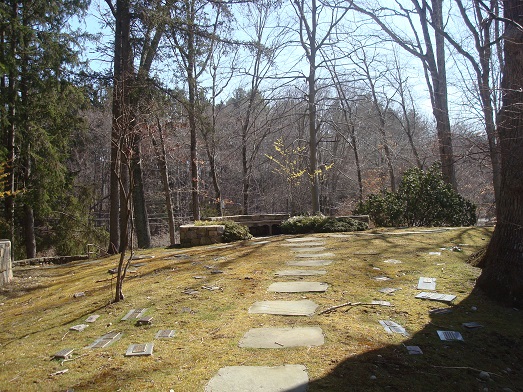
39, 108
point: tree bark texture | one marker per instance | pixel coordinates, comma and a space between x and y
502, 276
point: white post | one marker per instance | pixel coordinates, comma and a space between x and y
6, 270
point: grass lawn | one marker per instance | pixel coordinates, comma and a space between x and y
39, 307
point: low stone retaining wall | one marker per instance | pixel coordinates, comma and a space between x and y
191, 235
6, 266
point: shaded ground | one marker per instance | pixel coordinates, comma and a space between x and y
40, 306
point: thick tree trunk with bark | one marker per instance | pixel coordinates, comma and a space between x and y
502, 276
141, 217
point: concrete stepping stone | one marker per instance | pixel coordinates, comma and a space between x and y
436, 297
309, 249
310, 244
327, 255
426, 283
392, 261
282, 337
382, 278
303, 307
414, 350
309, 263
302, 239
142, 349
299, 272
297, 287
286, 378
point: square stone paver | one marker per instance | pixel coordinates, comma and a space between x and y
286, 378
318, 255
303, 307
283, 337
300, 272
309, 263
309, 249
303, 239
297, 287
310, 244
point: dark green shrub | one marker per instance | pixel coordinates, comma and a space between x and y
233, 231
320, 224
335, 225
423, 199
302, 224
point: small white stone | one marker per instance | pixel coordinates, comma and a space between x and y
473, 308
373, 377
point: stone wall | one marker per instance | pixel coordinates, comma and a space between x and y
6, 271
191, 235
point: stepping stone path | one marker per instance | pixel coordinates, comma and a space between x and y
294, 377
299, 272
282, 337
297, 287
284, 378
288, 377
285, 308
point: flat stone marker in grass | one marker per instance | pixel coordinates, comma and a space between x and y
165, 334
309, 263
283, 337
66, 353
134, 314
303, 307
449, 335
393, 327
300, 272
286, 378
426, 283
318, 255
92, 318
382, 278
436, 297
297, 287
388, 290
106, 340
142, 349
79, 327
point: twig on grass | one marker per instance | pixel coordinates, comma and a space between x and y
332, 308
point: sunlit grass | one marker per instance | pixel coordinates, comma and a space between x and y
39, 307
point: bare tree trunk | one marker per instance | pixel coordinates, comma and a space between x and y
141, 217
502, 276
161, 155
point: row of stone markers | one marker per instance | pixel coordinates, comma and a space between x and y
287, 377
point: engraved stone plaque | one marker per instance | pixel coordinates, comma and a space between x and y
139, 349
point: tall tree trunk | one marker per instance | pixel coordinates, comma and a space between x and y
141, 217
502, 276
313, 134
122, 72
441, 107
191, 79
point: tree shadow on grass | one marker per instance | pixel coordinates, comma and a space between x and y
496, 349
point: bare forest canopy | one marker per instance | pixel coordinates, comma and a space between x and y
136, 116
